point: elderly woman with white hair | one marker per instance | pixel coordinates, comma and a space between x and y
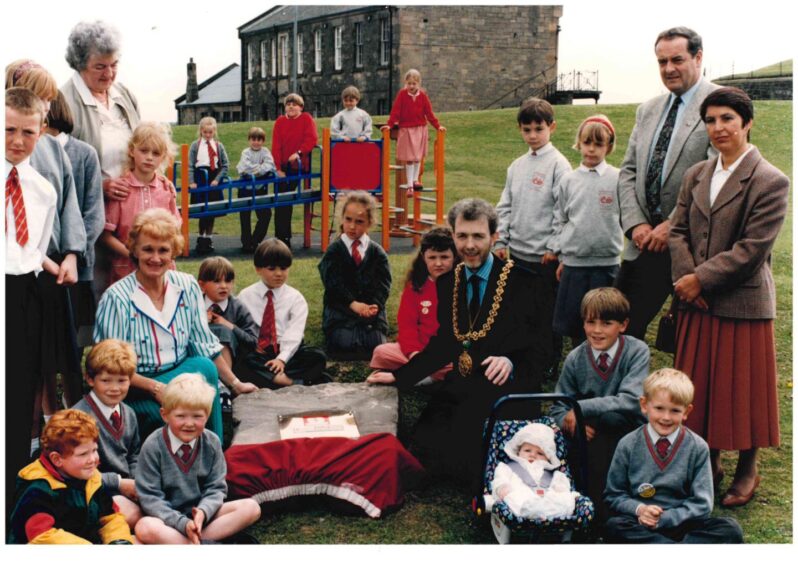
104, 111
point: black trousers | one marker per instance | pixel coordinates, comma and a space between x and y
625, 529
353, 343
546, 292
305, 367
250, 238
646, 282
282, 214
23, 372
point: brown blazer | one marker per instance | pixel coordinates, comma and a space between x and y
728, 245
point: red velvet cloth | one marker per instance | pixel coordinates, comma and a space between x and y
367, 472
292, 135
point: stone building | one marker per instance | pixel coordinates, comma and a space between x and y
470, 57
218, 97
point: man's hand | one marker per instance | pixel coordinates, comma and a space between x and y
657, 241
381, 378
115, 189
648, 515
549, 257
498, 369
640, 235
68, 271
127, 488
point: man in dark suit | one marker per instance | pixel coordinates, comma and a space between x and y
488, 330
667, 139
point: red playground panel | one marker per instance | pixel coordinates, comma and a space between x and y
356, 166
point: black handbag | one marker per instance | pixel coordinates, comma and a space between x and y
666, 332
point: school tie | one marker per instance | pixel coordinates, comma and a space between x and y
663, 445
473, 304
356, 256
215, 309
604, 362
654, 174
14, 197
267, 337
185, 452
116, 420
211, 155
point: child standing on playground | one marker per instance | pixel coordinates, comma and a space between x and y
351, 123
411, 111
417, 318
587, 232
149, 149
525, 212
256, 162
207, 165
293, 138
357, 280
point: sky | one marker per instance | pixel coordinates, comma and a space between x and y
613, 37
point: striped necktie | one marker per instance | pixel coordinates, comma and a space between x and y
14, 197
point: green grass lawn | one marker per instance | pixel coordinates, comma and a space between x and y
480, 146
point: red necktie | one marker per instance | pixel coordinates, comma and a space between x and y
662, 447
267, 337
211, 155
14, 197
603, 362
356, 253
116, 420
185, 452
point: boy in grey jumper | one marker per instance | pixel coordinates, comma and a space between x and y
110, 366
660, 481
181, 474
351, 123
605, 374
257, 162
526, 210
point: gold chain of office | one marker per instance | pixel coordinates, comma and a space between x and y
464, 362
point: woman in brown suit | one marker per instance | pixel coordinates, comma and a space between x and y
729, 212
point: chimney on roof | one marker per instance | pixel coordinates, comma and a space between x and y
192, 92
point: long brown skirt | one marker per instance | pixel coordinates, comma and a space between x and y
732, 363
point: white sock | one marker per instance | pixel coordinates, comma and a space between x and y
409, 174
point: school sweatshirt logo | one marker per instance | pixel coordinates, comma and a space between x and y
606, 198
538, 180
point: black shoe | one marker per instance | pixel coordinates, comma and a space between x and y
227, 403
240, 538
204, 246
249, 248
323, 378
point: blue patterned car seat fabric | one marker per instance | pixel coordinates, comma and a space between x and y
503, 431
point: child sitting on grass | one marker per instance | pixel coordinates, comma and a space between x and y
109, 368
660, 481
181, 475
60, 497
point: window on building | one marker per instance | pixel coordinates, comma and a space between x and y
339, 38
300, 51
263, 59
264, 112
250, 60
317, 50
274, 56
237, 115
282, 42
385, 42
358, 44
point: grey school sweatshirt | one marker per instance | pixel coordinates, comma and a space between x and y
526, 206
681, 484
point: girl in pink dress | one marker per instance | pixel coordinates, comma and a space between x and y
418, 308
149, 149
410, 113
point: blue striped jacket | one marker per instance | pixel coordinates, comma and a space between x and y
162, 339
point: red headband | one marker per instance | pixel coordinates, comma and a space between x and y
26, 66
606, 123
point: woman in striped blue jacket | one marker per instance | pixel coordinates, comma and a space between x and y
161, 313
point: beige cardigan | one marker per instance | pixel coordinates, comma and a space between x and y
728, 245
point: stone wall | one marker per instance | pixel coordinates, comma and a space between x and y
763, 88
470, 56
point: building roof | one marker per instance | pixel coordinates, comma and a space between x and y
222, 88
283, 15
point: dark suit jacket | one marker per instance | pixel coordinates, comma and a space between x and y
515, 334
728, 245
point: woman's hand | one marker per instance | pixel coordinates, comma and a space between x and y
688, 289
115, 189
240, 387
381, 378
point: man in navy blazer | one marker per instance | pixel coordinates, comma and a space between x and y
647, 199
